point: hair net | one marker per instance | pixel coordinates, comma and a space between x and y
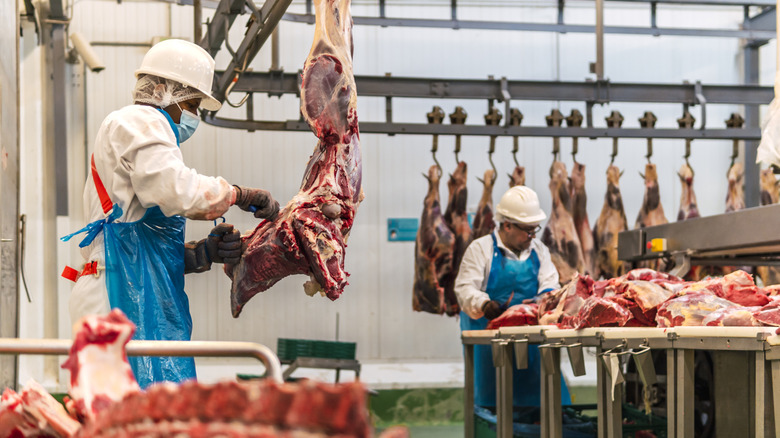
162, 92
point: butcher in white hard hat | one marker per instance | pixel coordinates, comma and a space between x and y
499, 270
136, 198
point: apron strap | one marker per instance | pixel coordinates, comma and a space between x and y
105, 200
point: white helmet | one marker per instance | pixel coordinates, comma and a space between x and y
183, 62
520, 204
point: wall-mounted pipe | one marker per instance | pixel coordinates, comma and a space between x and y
197, 18
599, 69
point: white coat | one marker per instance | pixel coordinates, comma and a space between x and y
474, 271
141, 166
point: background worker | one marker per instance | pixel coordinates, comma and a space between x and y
498, 271
136, 198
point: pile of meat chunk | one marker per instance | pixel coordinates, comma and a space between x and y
647, 298
105, 401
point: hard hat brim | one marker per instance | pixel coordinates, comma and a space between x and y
209, 103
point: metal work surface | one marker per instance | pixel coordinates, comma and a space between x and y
712, 236
156, 348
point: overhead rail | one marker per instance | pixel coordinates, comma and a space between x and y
503, 90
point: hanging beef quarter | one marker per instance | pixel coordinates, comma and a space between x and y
688, 208
735, 199
309, 235
517, 178
432, 252
483, 219
560, 234
652, 212
581, 223
612, 221
457, 220
770, 194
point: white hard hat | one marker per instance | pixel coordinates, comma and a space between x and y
183, 62
520, 204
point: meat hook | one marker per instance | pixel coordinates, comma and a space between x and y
490, 158
736, 121
436, 116
458, 117
686, 122
648, 121
574, 120
515, 119
615, 120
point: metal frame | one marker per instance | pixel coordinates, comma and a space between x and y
157, 348
710, 240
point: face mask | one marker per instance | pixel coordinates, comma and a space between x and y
187, 125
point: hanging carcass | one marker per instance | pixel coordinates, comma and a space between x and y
432, 252
483, 219
688, 207
652, 212
457, 220
310, 234
560, 234
517, 178
581, 223
611, 221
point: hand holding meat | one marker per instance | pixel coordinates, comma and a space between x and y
258, 201
224, 244
492, 309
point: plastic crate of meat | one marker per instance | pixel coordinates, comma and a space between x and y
290, 349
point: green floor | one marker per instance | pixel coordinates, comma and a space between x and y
435, 412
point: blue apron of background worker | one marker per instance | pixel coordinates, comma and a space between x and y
136, 199
498, 271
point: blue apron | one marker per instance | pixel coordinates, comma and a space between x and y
145, 279
522, 278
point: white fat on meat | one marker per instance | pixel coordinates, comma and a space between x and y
99, 372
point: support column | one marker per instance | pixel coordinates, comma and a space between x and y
468, 391
751, 70
9, 186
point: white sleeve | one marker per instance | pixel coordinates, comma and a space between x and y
468, 284
548, 275
160, 177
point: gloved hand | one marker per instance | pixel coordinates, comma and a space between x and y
258, 201
224, 244
492, 309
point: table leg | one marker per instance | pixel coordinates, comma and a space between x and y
468, 391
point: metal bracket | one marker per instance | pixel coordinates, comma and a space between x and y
576, 359
701, 100
521, 353
682, 262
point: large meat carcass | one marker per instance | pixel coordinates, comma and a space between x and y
611, 221
456, 218
770, 194
581, 223
517, 178
560, 234
483, 219
108, 403
688, 207
433, 252
652, 212
310, 234
735, 199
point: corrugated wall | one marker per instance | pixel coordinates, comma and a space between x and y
375, 310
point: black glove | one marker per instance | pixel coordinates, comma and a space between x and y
258, 201
492, 309
224, 244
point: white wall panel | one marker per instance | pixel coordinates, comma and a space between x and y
375, 310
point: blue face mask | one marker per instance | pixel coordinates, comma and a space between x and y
187, 125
